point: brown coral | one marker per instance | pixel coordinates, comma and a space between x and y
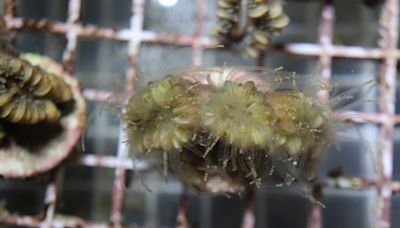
47, 117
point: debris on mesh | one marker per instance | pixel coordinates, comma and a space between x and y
251, 24
222, 129
42, 113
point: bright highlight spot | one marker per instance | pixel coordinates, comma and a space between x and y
168, 3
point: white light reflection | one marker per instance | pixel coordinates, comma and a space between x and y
167, 3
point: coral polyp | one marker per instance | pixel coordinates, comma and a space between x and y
163, 116
238, 124
298, 121
237, 114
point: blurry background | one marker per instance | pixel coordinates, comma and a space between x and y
136, 42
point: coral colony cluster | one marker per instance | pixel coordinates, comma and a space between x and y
233, 126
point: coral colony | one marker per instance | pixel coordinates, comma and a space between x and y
234, 126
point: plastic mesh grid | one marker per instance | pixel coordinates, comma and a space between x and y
136, 36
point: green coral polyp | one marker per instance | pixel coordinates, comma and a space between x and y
298, 120
237, 114
162, 117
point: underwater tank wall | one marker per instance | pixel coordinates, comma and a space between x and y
113, 47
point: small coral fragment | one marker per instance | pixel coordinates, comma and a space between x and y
42, 115
240, 125
29, 94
